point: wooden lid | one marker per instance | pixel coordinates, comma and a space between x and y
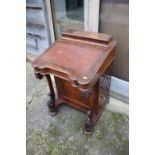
77, 56
87, 36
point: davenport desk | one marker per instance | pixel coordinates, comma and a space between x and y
81, 64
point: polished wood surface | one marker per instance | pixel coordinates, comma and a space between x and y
81, 64
63, 55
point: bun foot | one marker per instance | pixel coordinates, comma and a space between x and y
87, 132
88, 129
52, 113
51, 108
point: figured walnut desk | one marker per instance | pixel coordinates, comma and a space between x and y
81, 64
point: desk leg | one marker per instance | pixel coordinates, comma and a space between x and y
91, 118
98, 99
51, 102
88, 128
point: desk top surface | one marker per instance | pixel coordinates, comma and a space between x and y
72, 57
76, 59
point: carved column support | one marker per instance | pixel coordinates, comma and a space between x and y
52, 94
88, 128
105, 81
51, 102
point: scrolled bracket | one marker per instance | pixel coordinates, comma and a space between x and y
38, 76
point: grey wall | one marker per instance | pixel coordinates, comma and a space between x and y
37, 32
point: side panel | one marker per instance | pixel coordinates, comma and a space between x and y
67, 91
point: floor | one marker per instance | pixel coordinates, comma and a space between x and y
62, 134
